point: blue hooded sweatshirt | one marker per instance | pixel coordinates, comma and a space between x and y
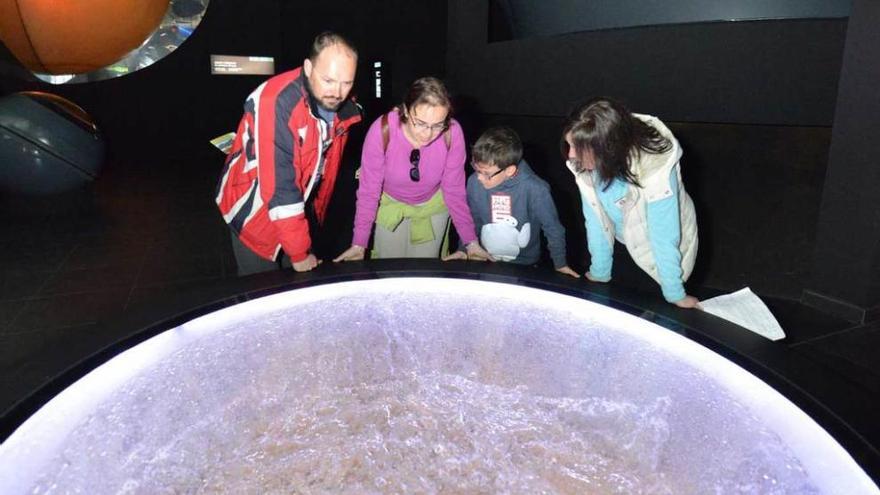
510, 217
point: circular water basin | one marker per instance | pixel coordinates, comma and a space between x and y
423, 385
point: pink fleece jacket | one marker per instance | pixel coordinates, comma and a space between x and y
388, 171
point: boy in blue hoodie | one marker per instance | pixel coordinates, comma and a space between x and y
511, 205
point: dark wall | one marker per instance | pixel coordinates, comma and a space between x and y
767, 72
750, 102
176, 104
526, 18
409, 37
846, 269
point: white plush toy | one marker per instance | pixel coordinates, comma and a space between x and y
503, 240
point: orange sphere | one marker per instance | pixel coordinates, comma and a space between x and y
74, 37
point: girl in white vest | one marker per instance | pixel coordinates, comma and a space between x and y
626, 167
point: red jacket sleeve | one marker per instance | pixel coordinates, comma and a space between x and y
277, 171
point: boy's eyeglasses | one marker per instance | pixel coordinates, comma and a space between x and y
486, 175
418, 124
414, 157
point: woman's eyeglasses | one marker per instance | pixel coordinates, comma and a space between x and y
418, 124
414, 157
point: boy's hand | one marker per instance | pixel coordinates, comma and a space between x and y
354, 253
568, 271
458, 255
476, 252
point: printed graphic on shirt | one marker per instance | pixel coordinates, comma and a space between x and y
501, 206
501, 237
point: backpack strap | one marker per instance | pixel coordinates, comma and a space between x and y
385, 132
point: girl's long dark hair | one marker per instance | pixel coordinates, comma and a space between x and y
608, 129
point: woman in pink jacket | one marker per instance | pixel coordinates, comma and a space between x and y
412, 180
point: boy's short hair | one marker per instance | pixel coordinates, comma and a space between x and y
498, 146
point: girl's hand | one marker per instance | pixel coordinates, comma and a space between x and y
688, 302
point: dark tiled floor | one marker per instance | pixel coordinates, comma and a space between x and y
140, 235
70, 262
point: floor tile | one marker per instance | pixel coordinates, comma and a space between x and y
106, 251
66, 310
119, 275
166, 265
859, 349
18, 284
44, 355
35, 256
9, 310
802, 323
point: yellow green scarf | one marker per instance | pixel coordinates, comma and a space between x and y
391, 212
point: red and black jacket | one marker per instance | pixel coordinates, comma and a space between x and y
269, 172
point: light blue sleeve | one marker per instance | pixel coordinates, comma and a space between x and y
601, 253
664, 230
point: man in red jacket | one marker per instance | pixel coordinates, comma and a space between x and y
282, 167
